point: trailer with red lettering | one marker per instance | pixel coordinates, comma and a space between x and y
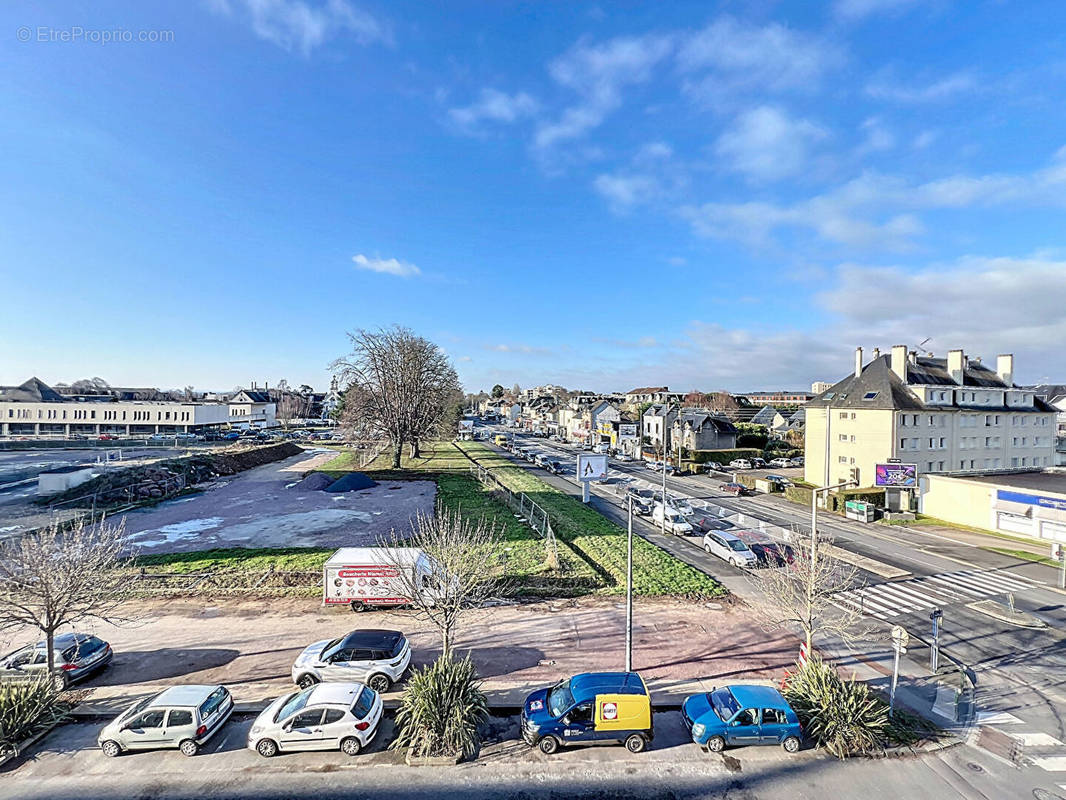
373, 577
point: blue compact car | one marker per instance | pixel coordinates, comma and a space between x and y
739, 715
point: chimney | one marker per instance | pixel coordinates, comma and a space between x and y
877, 353
1005, 368
899, 361
956, 365
858, 361
912, 357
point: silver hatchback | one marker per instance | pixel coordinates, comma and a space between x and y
77, 655
181, 716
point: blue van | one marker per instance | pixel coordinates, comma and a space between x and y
590, 708
739, 715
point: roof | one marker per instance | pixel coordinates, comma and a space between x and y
32, 391
373, 638
64, 470
697, 419
929, 370
255, 396
766, 416
65, 640
649, 390
758, 697
589, 684
375, 555
342, 694
186, 695
659, 410
1037, 481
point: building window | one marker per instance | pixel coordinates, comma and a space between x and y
843, 414
929, 466
842, 459
843, 437
902, 443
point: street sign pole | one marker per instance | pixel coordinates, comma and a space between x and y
1059, 552
584, 491
629, 590
899, 647
934, 650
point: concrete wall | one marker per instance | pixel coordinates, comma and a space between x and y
55, 482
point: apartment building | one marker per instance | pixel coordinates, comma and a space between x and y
949, 415
782, 398
35, 409
656, 424
252, 408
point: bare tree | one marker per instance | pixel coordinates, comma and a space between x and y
400, 388
801, 593
469, 557
62, 576
289, 407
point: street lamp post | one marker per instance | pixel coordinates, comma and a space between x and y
814, 515
629, 590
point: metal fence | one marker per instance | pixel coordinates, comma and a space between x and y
527, 509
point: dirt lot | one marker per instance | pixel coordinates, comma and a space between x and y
263, 508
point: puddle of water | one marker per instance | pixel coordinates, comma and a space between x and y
180, 530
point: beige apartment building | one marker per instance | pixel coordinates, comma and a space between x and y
951, 416
35, 409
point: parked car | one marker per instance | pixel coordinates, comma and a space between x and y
591, 708
641, 501
757, 463
740, 463
378, 658
77, 656
739, 715
654, 466
703, 522
554, 467
674, 523
769, 552
185, 717
781, 463
735, 489
330, 716
542, 460
797, 461
104, 437
80, 437
729, 547
623, 457
233, 436
780, 480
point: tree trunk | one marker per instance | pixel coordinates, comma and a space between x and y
50, 644
397, 453
446, 643
416, 450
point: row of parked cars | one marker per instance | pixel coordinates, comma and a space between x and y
759, 463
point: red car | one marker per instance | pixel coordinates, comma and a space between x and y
107, 437
735, 489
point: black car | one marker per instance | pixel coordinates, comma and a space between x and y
704, 522
642, 500
554, 467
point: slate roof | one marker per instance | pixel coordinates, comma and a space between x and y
32, 391
257, 396
929, 370
766, 416
697, 419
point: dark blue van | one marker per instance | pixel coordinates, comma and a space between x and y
590, 708
739, 715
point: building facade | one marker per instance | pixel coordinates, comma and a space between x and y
947, 416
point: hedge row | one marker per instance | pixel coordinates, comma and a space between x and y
836, 501
724, 456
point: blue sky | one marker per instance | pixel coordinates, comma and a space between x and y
599, 195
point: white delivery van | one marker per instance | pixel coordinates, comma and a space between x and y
368, 577
675, 523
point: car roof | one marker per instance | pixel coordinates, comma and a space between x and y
373, 638
65, 640
187, 695
341, 694
728, 536
758, 697
589, 684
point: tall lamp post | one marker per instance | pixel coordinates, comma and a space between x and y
629, 590
814, 515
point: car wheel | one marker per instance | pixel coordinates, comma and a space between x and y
351, 746
189, 748
267, 748
379, 683
306, 681
111, 749
791, 744
358, 606
733, 563
636, 743
549, 745
716, 744
707, 549
61, 681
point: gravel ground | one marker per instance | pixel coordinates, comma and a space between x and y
263, 508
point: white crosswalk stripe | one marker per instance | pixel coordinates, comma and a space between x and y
887, 600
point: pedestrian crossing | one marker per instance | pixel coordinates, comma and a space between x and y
888, 600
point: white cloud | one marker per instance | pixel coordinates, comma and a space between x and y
884, 88
925, 139
464, 359
523, 349
878, 137
303, 26
598, 73
766, 144
622, 192
876, 210
493, 105
387, 266
857, 9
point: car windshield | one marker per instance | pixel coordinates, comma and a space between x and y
560, 699
326, 651
137, 707
736, 544
724, 704
293, 704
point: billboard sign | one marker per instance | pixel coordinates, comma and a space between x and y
591, 466
1054, 503
901, 476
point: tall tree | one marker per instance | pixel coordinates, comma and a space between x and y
62, 576
497, 391
400, 387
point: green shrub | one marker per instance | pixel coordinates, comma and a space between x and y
755, 440
25, 708
441, 709
798, 494
841, 715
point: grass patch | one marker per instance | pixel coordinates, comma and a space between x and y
1025, 555
600, 541
239, 559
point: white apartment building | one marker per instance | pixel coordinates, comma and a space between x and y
949, 415
35, 409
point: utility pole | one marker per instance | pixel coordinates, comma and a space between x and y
629, 590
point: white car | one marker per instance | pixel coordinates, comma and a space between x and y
729, 548
184, 717
330, 716
623, 457
740, 463
674, 523
377, 658
781, 463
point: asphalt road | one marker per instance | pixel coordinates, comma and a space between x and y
1020, 672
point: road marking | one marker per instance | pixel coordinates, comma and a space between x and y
1036, 739
902, 601
996, 718
1051, 763
956, 586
